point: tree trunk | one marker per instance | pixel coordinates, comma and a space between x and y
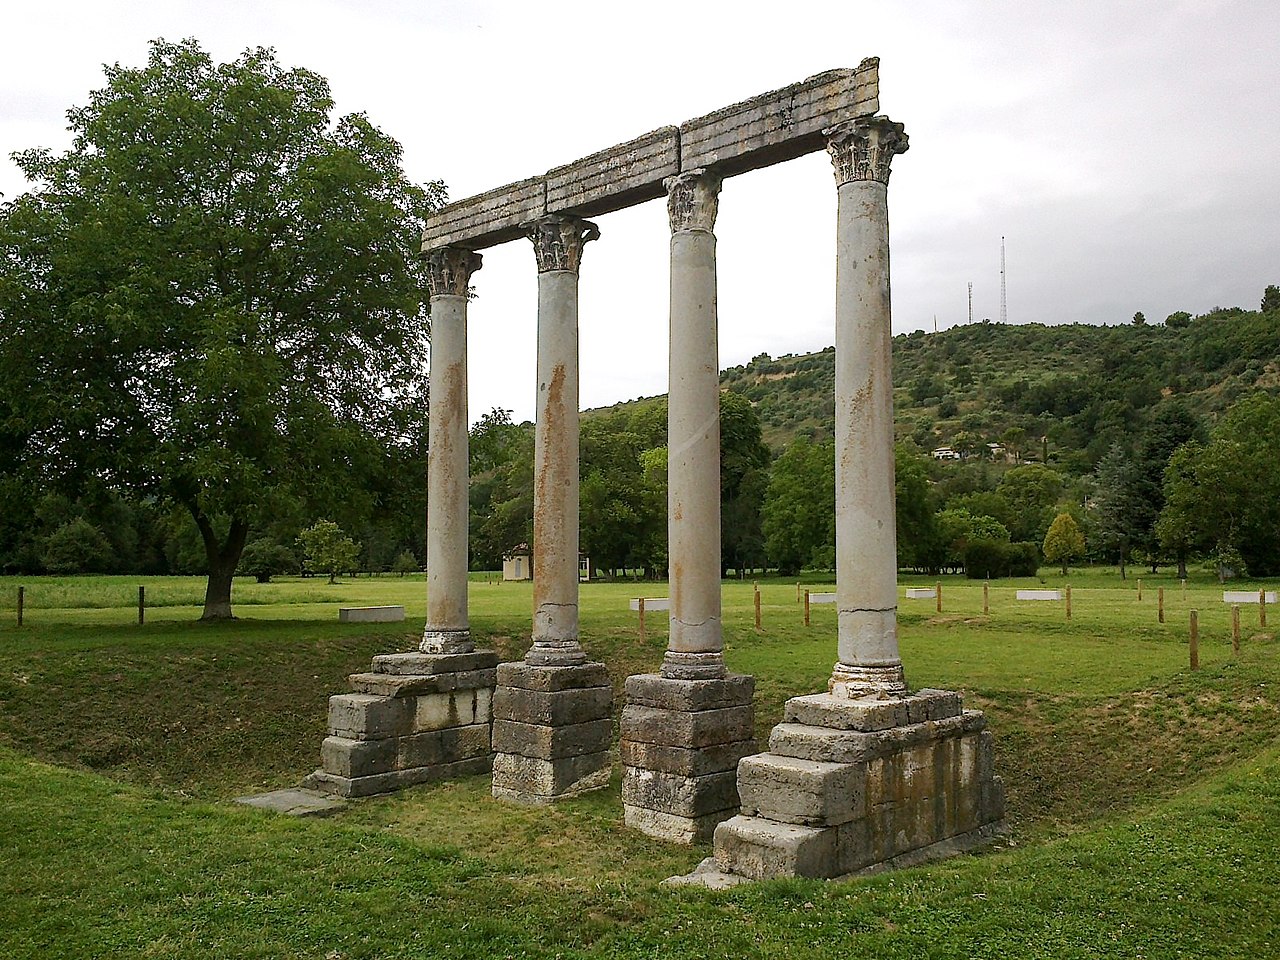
223, 558
1064, 568
1182, 568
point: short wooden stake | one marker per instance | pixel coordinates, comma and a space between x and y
1139, 588
22, 593
1160, 604
142, 605
757, 607
1235, 628
937, 593
1195, 640
798, 597
1262, 608
1068, 601
640, 606
1184, 589
986, 597
806, 608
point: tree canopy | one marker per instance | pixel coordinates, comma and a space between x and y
214, 297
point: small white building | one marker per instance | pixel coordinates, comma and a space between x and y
517, 564
945, 453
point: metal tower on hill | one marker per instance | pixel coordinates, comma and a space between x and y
1004, 303
971, 301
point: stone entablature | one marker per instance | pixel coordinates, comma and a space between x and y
771, 128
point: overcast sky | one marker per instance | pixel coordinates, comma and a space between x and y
1129, 152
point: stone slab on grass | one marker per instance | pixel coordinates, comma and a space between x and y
390, 614
295, 802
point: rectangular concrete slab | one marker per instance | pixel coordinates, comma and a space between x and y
390, 614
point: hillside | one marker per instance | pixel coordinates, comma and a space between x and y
1082, 387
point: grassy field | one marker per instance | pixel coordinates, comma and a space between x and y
1145, 797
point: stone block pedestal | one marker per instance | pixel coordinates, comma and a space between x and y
850, 785
413, 718
681, 743
552, 731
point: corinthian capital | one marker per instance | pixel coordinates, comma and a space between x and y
449, 270
862, 149
693, 198
558, 241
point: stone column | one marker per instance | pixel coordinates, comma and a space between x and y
423, 716
684, 730
558, 244
866, 542
866, 774
448, 629
552, 728
695, 647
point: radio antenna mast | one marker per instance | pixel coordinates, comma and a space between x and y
971, 301
1004, 303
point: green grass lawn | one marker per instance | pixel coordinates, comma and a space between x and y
1145, 798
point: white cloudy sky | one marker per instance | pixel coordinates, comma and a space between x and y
1129, 151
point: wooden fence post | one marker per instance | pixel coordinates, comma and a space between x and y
142, 604
1139, 588
1160, 604
986, 597
937, 593
757, 587
1262, 607
1195, 640
1235, 628
1068, 601
806, 608
798, 597
641, 608
22, 593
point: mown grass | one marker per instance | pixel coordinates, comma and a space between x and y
1141, 793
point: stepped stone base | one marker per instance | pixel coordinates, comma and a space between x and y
852, 786
414, 718
681, 743
551, 731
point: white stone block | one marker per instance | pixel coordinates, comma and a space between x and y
822, 598
370, 614
1039, 594
921, 593
652, 603
1246, 596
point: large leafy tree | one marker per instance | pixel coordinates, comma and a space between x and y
212, 296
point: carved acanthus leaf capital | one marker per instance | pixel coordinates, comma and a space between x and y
862, 149
693, 199
449, 270
558, 241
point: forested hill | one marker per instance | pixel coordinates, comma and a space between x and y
1082, 387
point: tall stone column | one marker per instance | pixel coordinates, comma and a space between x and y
866, 541
695, 648
448, 628
425, 715
558, 244
865, 774
552, 728
684, 730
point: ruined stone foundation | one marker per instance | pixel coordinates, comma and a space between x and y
850, 785
552, 731
681, 743
414, 718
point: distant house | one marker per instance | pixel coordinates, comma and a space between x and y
945, 453
997, 452
517, 563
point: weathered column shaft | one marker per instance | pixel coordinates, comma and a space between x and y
695, 648
866, 542
558, 243
448, 628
